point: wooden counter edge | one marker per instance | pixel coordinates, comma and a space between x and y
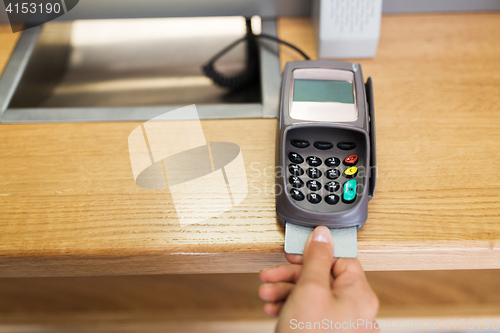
238, 263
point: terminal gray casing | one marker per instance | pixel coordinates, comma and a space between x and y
361, 131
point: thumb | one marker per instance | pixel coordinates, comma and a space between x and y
318, 258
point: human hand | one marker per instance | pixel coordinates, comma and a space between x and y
318, 292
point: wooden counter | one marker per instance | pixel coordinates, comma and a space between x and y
69, 205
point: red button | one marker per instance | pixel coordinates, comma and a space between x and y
351, 160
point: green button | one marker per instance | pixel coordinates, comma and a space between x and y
350, 191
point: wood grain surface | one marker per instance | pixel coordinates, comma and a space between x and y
7, 42
223, 302
69, 205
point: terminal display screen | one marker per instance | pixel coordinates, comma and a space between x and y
309, 90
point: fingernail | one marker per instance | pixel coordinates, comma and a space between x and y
322, 234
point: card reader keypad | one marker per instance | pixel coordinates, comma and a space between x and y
329, 175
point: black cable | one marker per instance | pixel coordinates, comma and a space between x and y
251, 71
276, 39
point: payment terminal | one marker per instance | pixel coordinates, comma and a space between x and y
326, 145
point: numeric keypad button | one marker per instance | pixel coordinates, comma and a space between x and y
296, 181
314, 198
332, 174
296, 195
332, 199
314, 185
332, 186
295, 170
314, 173
332, 162
295, 158
314, 161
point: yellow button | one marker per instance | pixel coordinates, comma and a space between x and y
351, 171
